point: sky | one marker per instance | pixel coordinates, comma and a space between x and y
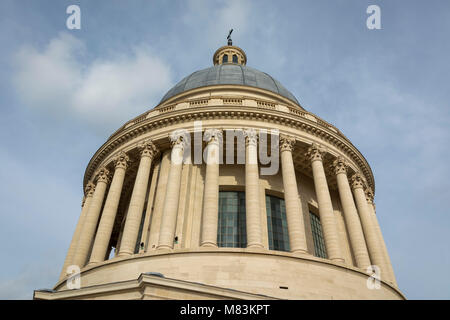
64, 92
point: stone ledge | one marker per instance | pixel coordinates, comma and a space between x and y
150, 286
228, 251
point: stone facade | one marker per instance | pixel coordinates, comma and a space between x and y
150, 206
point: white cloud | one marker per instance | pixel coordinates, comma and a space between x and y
105, 92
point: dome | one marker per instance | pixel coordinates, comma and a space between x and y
229, 74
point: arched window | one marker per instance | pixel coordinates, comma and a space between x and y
235, 58
232, 229
225, 58
277, 224
317, 233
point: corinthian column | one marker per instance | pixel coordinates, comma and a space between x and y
355, 231
108, 217
327, 218
172, 197
133, 220
211, 193
375, 251
87, 235
88, 193
252, 204
294, 213
387, 259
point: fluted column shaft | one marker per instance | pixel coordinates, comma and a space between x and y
327, 217
352, 220
294, 213
172, 197
387, 259
252, 203
211, 193
137, 201
376, 254
108, 217
89, 192
87, 235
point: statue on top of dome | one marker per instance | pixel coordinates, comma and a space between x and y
230, 41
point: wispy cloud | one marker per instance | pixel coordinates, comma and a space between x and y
103, 92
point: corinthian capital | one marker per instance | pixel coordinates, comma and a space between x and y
212, 135
179, 138
286, 143
315, 152
251, 136
369, 195
340, 166
89, 189
121, 160
102, 175
358, 181
147, 148
88, 192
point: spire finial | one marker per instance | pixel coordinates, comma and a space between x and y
230, 41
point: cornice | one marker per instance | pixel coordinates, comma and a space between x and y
234, 99
297, 119
210, 92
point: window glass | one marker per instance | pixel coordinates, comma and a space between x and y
232, 229
317, 233
277, 224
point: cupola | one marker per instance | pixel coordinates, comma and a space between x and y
230, 54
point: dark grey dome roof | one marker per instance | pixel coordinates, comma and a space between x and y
229, 74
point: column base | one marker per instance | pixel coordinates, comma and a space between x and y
209, 245
93, 263
255, 246
338, 260
164, 247
299, 251
124, 254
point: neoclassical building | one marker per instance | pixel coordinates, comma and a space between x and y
227, 189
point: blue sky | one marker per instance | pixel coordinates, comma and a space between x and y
63, 92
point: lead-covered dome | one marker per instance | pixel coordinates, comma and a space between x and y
229, 73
